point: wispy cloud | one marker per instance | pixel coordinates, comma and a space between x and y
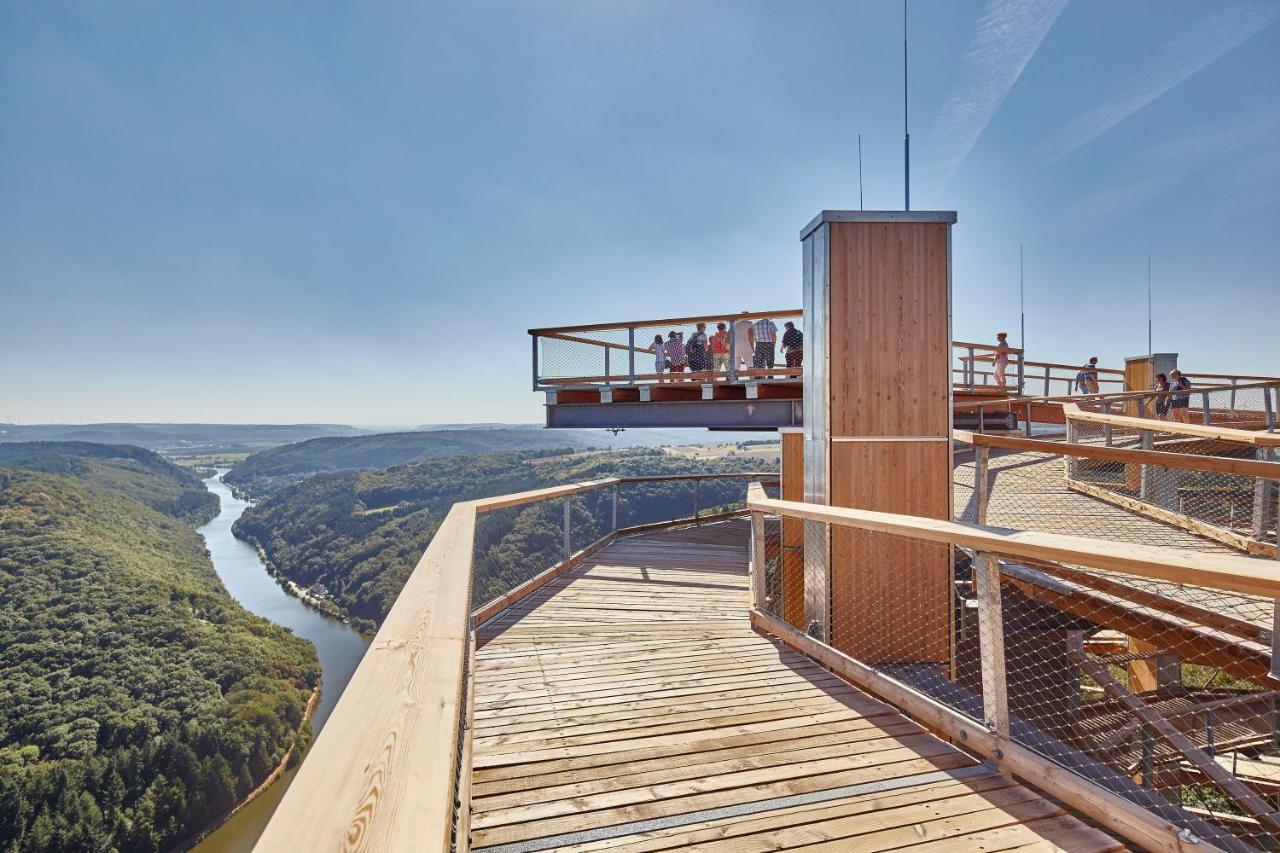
1163, 167
1206, 41
1007, 36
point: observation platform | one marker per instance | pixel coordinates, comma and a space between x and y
629, 705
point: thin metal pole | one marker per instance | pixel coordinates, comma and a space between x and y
535, 361
631, 355
860, 207
615, 507
1150, 350
568, 506
697, 501
906, 132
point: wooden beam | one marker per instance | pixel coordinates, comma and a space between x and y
607, 344
384, 770
1238, 436
1187, 461
1200, 528
1220, 571
1112, 811
670, 321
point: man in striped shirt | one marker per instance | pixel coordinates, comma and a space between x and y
765, 335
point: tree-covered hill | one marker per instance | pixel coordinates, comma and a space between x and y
184, 438
359, 534
130, 472
265, 472
138, 700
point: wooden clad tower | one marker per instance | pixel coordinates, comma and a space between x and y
877, 421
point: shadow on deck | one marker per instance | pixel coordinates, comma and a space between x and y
630, 706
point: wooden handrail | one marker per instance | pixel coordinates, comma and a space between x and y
1186, 461
669, 321
1218, 571
383, 770
606, 344
1073, 412
992, 347
1112, 396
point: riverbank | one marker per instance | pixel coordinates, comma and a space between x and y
340, 648
271, 778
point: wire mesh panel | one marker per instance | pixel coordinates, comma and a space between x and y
514, 545
1144, 694
747, 345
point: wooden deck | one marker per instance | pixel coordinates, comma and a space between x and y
630, 706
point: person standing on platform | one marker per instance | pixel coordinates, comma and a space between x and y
720, 348
676, 358
1161, 387
744, 351
696, 348
1181, 403
793, 345
1002, 358
660, 362
1087, 378
765, 334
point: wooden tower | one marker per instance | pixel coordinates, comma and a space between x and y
877, 428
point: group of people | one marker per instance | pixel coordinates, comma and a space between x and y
1172, 396
751, 343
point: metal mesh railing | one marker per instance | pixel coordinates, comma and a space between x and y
1250, 406
714, 347
1159, 690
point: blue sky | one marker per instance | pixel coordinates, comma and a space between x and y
351, 212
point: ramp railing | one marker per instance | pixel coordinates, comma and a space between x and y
1117, 699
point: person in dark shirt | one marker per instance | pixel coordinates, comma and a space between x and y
1181, 402
1161, 386
793, 345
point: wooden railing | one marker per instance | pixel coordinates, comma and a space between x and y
1143, 404
391, 769
1148, 824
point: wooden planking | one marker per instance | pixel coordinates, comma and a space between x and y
890, 348
634, 689
792, 529
890, 378
891, 598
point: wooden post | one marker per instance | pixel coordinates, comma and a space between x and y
792, 489
995, 700
758, 588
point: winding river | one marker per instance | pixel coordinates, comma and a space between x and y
340, 648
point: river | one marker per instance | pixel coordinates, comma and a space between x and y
340, 648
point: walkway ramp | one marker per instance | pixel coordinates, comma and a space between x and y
630, 706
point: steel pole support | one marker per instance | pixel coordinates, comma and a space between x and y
631, 355
568, 508
995, 701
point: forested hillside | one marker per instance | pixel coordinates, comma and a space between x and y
358, 534
262, 473
138, 700
130, 472
177, 437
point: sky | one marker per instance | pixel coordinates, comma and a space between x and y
311, 212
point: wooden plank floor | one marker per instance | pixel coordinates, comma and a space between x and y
629, 706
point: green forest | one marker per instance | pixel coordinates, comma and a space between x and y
359, 534
138, 700
121, 469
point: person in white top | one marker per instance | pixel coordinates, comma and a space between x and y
765, 335
742, 348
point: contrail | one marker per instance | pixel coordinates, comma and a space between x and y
1007, 36
1207, 40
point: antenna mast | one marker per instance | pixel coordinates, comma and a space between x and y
1149, 348
860, 207
906, 132
1022, 310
